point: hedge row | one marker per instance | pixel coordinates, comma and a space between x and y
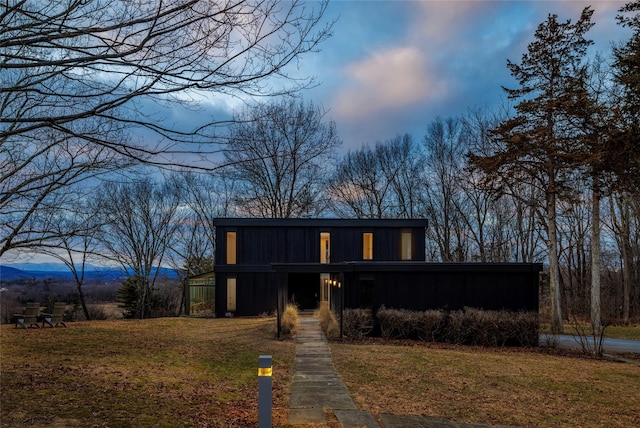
465, 327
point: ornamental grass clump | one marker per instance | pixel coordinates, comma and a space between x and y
290, 318
328, 323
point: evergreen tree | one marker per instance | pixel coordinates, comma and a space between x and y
538, 144
624, 152
128, 296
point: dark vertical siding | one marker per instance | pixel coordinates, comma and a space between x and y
496, 290
263, 245
260, 243
256, 293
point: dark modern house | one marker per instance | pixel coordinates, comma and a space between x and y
261, 264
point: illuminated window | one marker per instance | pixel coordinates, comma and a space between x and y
405, 246
324, 287
231, 248
325, 247
367, 246
231, 294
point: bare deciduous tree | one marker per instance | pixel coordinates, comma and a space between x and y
140, 223
76, 75
444, 193
34, 176
277, 155
77, 241
380, 182
66, 62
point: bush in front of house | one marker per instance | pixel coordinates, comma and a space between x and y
464, 327
357, 323
397, 323
406, 324
430, 325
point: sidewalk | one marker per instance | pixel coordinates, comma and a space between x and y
316, 388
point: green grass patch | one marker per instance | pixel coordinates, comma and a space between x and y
631, 332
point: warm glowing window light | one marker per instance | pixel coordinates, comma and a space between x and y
231, 248
231, 294
367, 246
325, 247
405, 246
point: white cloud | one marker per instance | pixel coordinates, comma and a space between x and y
389, 79
433, 58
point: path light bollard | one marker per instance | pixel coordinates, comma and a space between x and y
264, 391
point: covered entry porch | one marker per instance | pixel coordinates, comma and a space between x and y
321, 284
418, 285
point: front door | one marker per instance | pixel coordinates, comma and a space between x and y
304, 290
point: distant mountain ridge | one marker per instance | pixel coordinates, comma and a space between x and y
53, 267
38, 271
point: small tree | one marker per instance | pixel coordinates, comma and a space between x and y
128, 296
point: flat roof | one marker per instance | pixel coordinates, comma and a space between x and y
319, 222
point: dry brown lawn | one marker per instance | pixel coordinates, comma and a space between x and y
151, 373
491, 386
203, 373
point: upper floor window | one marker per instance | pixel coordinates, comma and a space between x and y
231, 248
325, 247
406, 246
367, 246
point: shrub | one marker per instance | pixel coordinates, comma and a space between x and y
464, 327
97, 312
526, 329
430, 325
165, 299
328, 323
456, 328
406, 324
357, 323
492, 328
289, 322
395, 323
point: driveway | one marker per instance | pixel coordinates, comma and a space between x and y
566, 341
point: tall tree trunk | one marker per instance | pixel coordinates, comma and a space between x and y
554, 274
625, 231
595, 258
82, 300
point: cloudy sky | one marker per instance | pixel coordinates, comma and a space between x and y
393, 66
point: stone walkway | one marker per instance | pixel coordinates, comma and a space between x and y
316, 387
